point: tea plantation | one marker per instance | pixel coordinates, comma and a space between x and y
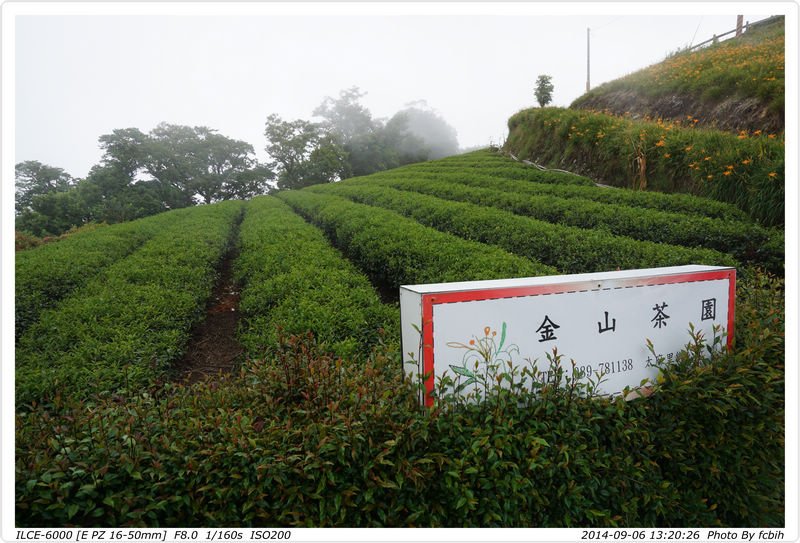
320, 428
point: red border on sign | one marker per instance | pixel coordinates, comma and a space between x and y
429, 300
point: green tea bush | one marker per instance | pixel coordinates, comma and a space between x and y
744, 241
482, 156
672, 203
124, 327
293, 280
306, 439
492, 164
568, 249
746, 170
49, 272
395, 250
515, 170
724, 448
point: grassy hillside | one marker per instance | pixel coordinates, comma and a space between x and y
707, 122
319, 427
737, 84
744, 169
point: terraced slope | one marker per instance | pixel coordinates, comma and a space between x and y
706, 122
324, 262
745, 169
326, 431
122, 328
571, 226
49, 272
294, 282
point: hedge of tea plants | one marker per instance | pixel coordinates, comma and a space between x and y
395, 250
511, 170
743, 240
568, 249
303, 439
294, 282
670, 202
49, 272
746, 170
123, 327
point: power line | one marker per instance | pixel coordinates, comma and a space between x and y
588, 50
608, 23
695, 31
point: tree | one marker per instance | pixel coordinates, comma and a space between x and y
426, 132
32, 178
327, 162
185, 163
345, 116
139, 174
249, 183
350, 126
175, 160
226, 159
544, 90
53, 213
125, 148
109, 195
414, 134
303, 153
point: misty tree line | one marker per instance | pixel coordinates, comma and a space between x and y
176, 166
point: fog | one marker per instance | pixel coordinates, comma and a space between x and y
81, 74
436, 134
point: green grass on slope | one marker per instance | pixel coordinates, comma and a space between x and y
751, 66
746, 170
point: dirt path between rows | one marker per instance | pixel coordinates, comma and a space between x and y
213, 348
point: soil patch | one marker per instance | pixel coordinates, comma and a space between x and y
731, 114
213, 348
387, 295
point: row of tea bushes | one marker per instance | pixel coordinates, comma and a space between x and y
47, 273
673, 203
743, 240
274, 447
124, 327
395, 250
293, 279
495, 164
511, 171
481, 156
568, 249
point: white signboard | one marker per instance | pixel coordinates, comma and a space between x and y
602, 321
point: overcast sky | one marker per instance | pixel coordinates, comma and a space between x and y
78, 76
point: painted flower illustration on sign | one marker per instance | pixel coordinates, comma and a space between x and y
481, 352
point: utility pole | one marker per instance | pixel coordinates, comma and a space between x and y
587, 59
